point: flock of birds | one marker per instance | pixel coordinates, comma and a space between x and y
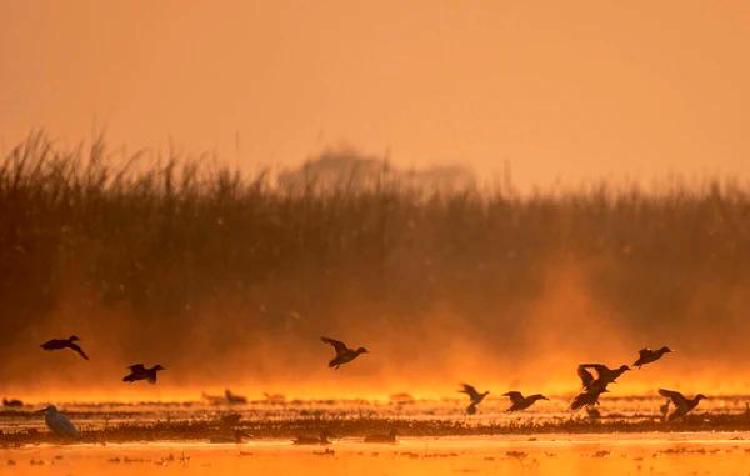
593, 386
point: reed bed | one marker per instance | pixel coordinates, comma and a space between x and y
153, 241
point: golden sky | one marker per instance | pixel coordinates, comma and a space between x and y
573, 89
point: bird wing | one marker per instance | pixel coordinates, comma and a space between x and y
338, 346
600, 369
80, 351
677, 398
586, 378
578, 401
515, 397
137, 368
470, 391
643, 353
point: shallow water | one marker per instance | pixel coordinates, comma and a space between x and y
94, 416
672, 453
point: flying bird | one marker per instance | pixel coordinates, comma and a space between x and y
140, 372
58, 423
519, 402
69, 343
604, 375
588, 397
343, 353
646, 356
682, 405
475, 398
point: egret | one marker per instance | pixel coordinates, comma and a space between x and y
343, 353
58, 423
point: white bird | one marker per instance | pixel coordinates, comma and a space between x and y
59, 423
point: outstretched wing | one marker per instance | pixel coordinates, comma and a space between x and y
338, 346
677, 398
80, 351
586, 378
470, 391
137, 368
515, 397
599, 368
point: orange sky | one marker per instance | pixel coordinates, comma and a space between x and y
569, 89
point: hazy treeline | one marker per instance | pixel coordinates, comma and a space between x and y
169, 255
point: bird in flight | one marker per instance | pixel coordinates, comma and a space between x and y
69, 343
604, 375
519, 402
140, 372
593, 387
587, 398
646, 356
682, 405
475, 398
343, 353
58, 423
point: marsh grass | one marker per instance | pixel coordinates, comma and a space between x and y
160, 239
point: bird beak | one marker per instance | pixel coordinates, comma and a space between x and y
43, 410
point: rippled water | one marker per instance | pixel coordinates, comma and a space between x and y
673, 453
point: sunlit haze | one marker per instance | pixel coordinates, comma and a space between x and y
561, 91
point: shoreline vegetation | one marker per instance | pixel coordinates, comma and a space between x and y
217, 431
222, 263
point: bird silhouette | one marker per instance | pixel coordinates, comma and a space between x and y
519, 402
233, 398
604, 375
475, 398
58, 423
682, 405
646, 356
343, 353
588, 397
13, 402
69, 343
140, 372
